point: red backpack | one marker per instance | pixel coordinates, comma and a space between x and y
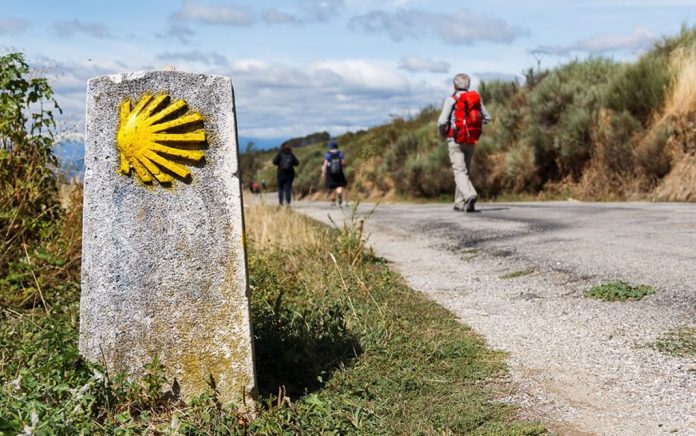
468, 121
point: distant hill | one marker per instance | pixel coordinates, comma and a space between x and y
260, 143
312, 138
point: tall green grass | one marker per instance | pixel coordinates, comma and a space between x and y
342, 346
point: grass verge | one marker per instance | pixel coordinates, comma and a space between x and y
619, 291
404, 366
343, 347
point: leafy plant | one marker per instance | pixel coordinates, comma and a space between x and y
28, 198
619, 291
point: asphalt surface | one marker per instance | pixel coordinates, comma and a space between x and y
517, 272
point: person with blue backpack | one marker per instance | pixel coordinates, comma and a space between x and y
286, 162
332, 172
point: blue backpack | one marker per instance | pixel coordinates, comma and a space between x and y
335, 163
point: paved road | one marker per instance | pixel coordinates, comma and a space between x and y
516, 273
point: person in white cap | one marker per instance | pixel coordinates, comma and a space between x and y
461, 122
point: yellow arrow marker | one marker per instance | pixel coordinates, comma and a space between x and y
145, 131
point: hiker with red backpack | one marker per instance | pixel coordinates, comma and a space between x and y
461, 122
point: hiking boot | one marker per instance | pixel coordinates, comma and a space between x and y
471, 204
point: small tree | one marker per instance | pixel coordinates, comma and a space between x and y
28, 194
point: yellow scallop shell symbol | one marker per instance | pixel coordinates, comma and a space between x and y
153, 132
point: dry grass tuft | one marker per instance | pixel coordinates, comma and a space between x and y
681, 100
279, 228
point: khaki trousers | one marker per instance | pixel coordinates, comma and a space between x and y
460, 155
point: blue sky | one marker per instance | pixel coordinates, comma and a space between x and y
336, 65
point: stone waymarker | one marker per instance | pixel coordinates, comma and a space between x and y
163, 263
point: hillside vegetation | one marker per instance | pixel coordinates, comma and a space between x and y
593, 129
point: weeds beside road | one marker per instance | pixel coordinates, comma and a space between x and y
343, 347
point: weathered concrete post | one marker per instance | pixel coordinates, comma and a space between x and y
163, 263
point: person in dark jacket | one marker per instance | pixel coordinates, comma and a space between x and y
286, 162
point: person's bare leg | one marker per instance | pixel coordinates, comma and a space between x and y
339, 195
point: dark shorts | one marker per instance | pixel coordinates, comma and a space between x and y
334, 181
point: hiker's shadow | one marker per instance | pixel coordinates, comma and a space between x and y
297, 352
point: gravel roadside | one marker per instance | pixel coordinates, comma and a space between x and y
516, 273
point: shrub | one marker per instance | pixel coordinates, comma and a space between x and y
640, 87
497, 92
308, 172
651, 152
558, 124
430, 175
28, 198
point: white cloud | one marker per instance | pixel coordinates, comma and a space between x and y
209, 58
462, 27
418, 64
181, 33
323, 10
640, 3
276, 99
13, 25
638, 39
310, 12
358, 76
224, 15
72, 27
492, 76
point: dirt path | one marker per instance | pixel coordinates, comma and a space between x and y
516, 274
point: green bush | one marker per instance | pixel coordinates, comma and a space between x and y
308, 173
28, 198
615, 136
640, 87
559, 118
686, 38
497, 92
